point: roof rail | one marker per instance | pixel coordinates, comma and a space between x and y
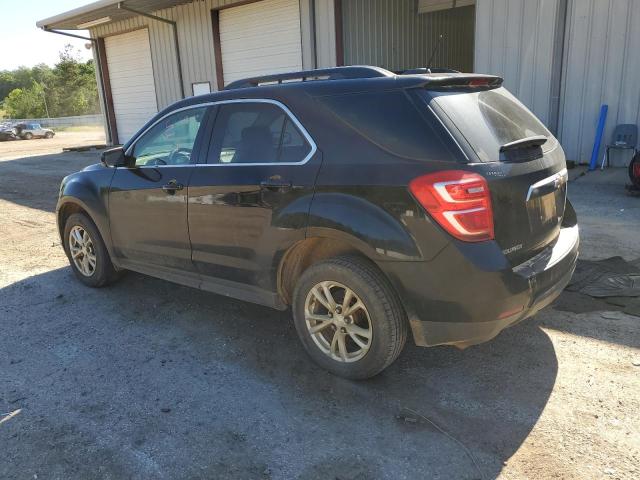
337, 73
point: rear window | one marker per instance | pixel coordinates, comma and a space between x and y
490, 119
388, 119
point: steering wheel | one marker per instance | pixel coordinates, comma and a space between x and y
180, 156
155, 161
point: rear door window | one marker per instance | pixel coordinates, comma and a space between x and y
254, 132
490, 119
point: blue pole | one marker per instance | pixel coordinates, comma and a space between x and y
598, 140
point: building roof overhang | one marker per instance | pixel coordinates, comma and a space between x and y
103, 12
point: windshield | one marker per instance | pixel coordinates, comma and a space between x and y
490, 119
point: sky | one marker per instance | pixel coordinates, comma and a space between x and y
24, 44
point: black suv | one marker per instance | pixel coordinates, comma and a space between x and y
371, 203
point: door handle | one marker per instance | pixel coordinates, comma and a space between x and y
172, 186
275, 184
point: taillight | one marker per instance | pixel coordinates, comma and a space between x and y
478, 82
459, 201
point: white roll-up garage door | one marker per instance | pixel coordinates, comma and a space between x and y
132, 86
260, 38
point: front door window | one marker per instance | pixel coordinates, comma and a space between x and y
170, 141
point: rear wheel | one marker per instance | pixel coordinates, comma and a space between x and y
348, 317
28, 136
87, 253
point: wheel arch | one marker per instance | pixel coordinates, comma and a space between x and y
87, 192
376, 231
305, 253
67, 206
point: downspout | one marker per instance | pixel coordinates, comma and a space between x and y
314, 40
557, 68
122, 6
94, 43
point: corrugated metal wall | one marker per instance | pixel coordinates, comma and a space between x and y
195, 38
196, 46
598, 63
391, 34
325, 33
515, 39
602, 65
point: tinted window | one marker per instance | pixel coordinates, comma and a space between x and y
170, 141
256, 133
490, 119
390, 120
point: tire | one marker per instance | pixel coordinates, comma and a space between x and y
102, 273
48, 135
382, 313
28, 136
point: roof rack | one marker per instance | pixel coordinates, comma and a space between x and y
337, 73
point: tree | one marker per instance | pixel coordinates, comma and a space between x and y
7, 83
72, 89
26, 102
69, 88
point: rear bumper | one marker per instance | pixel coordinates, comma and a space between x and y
459, 299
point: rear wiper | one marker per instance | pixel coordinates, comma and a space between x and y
535, 141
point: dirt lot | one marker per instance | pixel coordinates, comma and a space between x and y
147, 379
74, 137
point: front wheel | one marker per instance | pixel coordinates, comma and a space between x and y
348, 317
48, 135
87, 252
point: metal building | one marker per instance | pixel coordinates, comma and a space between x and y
562, 58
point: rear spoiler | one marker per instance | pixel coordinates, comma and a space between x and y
534, 141
461, 81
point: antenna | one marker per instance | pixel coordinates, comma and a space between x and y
435, 50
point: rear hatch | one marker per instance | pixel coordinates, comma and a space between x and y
522, 161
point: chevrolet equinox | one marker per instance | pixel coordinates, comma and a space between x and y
372, 204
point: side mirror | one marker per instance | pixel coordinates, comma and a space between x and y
114, 157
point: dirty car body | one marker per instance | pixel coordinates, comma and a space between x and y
445, 185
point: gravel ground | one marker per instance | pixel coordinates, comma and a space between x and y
75, 137
147, 379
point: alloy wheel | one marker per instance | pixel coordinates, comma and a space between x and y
82, 251
338, 321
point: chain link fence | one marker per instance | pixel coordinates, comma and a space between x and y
76, 121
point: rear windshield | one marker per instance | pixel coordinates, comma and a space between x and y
490, 119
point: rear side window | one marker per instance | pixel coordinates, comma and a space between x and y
256, 133
390, 120
490, 119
